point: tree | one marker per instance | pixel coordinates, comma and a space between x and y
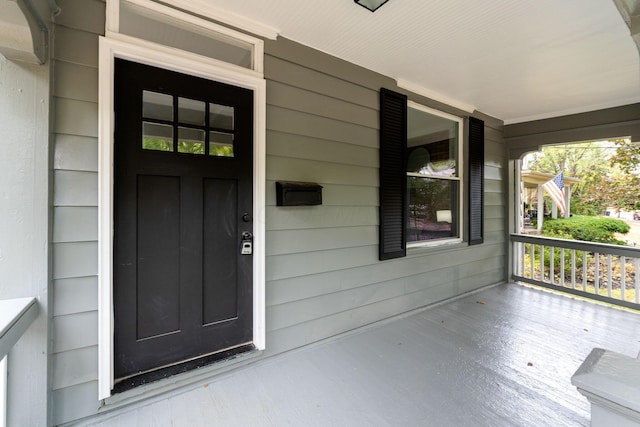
627, 156
585, 160
621, 187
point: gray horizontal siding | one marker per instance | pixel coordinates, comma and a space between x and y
318, 239
305, 124
77, 153
75, 188
75, 295
75, 402
322, 268
76, 46
310, 148
73, 117
75, 331
74, 367
75, 224
74, 359
323, 272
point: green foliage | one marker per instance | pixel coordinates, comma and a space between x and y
609, 173
627, 156
585, 228
588, 208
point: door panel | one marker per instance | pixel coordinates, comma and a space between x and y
183, 181
158, 240
221, 244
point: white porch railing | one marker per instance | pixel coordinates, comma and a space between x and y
16, 315
609, 273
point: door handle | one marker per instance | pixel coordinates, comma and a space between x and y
246, 245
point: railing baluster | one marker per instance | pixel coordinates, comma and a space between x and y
595, 271
623, 273
552, 259
561, 266
532, 259
542, 263
518, 258
584, 271
573, 269
609, 275
596, 276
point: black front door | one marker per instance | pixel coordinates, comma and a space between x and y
183, 201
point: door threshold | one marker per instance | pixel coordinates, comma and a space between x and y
148, 377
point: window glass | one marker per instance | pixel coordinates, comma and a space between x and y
157, 137
220, 144
190, 141
433, 207
157, 106
143, 23
433, 175
201, 128
221, 117
191, 111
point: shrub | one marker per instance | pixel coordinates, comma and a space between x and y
586, 228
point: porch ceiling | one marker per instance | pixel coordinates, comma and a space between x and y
515, 60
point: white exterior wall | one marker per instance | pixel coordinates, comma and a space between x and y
24, 229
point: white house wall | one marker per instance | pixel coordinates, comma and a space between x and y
24, 229
322, 268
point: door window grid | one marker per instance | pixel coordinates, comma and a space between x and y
187, 126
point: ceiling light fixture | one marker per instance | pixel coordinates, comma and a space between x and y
372, 5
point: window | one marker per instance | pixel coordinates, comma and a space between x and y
423, 179
196, 122
433, 175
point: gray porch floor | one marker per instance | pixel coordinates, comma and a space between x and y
500, 357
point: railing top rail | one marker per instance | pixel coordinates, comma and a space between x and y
578, 245
15, 317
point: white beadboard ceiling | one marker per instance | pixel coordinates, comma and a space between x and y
515, 60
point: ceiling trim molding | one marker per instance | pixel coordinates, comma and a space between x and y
428, 93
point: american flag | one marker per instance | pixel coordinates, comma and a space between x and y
555, 189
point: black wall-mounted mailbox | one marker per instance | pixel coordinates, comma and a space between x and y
298, 193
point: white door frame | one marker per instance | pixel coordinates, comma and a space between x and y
120, 46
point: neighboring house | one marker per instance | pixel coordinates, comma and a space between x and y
152, 237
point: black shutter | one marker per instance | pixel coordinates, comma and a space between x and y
393, 175
476, 181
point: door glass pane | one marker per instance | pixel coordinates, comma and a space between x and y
221, 144
190, 141
157, 106
220, 117
433, 207
432, 144
157, 137
191, 111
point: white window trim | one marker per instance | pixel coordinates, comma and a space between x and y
171, 15
459, 178
196, 65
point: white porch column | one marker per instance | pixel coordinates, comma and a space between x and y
567, 201
611, 383
554, 211
540, 206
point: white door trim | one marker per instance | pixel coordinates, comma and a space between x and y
196, 65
